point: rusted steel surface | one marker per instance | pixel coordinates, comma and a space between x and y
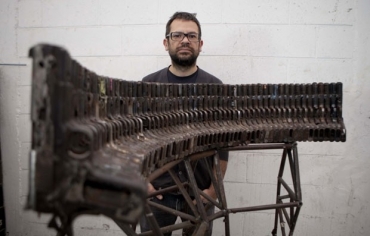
96, 139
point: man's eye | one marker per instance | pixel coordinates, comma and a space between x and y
176, 36
193, 36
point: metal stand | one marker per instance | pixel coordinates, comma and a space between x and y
287, 207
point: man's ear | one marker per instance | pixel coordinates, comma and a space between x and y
200, 45
165, 44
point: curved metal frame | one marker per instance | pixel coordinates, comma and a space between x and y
287, 207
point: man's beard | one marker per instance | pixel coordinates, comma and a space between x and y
184, 61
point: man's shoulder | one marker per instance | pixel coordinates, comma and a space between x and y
158, 76
161, 77
205, 77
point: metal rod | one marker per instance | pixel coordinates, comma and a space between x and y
278, 190
211, 200
288, 189
292, 169
282, 223
184, 193
172, 211
194, 186
152, 221
287, 216
283, 197
295, 218
182, 225
12, 64
215, 183
264, 207
166, 190
298, 178
158, 172
258, 147
222, 192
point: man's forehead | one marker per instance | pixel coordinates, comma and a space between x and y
184, 25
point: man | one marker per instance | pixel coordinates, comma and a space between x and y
183, 43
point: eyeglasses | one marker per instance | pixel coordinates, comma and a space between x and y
179, 36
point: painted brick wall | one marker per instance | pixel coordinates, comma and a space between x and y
245, 41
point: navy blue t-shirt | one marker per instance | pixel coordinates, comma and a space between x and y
201, 174
190, 79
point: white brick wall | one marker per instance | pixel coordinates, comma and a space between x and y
81, 41
245, 41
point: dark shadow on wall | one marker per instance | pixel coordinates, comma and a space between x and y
2, 207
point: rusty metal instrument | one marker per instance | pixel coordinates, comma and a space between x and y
97, 140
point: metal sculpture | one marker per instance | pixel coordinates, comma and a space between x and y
96, 141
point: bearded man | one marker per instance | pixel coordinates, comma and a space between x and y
183, 41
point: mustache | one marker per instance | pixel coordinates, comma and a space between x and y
185, 46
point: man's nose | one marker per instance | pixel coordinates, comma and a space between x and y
185, 39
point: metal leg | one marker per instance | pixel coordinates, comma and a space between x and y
200, 230
294, 195
222, 194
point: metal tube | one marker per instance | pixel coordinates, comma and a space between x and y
152, 221
184, 193
158, 172
211, 173
282, 223
264, 207
287, 188
194, 186
222, 192
298, 178
287, 216
182, 225
263, 146
172, 211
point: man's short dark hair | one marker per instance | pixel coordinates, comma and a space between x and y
183, 16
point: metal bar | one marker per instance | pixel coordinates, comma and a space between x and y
166, 229
295, 218
172, 211
264, 207
298, 191
216, 185
259, 146
152, 221
288, 189
12, 64
193, 185
278, 190
292, 169
298, 178
286, 215
158, 172
185, 194
283, 197
222, 192
211, 200
282, 223
165, 190
223, 213
282, 164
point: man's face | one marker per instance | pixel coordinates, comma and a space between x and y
183, 52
